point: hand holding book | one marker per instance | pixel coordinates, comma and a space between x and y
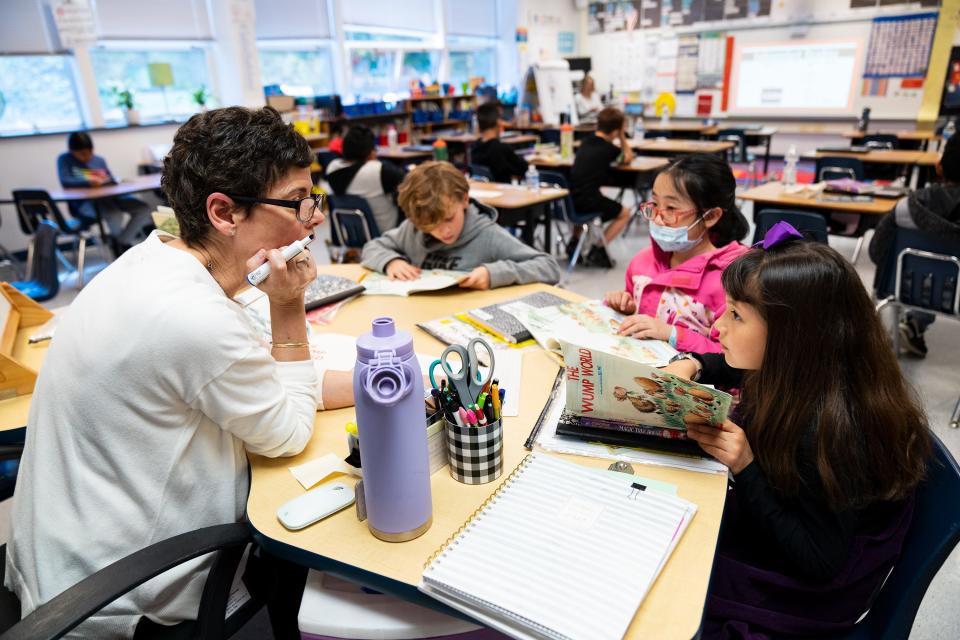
728, 444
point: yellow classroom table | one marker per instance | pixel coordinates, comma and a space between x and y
774, 194
343, 545
14, 411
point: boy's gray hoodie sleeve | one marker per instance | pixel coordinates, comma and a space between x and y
516, 263
396, 243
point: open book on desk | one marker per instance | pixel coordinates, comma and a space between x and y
609, 537
378, 284
589, 323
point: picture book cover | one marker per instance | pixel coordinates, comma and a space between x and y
591, 324
604, 386
379, 284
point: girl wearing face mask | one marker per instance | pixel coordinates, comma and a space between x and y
673, 290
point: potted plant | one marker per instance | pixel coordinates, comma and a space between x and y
201, 97
123, 98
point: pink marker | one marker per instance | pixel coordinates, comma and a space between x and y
472, 417
464, 417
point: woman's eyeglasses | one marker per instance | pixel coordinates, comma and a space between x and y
650, 211
305, 208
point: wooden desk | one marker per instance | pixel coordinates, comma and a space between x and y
640, 164
343, 545
921, 138
128, 186
14, 411
680, 127
403, 155
772, 194
911, 158
467, 139
519, 202
679, 147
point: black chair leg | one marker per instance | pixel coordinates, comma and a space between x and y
280, 584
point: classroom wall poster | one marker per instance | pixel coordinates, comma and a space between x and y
900, 46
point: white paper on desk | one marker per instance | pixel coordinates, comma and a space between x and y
507, 370
315, 471
333, 351
478, 194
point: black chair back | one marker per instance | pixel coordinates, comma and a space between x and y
837, 167
44, 265
34, 205
480, 171
812, 224
926, 268
352, 224
549, 136
739, 138
881, 141
325, 157
933, 534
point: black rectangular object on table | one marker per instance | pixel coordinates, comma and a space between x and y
327, 289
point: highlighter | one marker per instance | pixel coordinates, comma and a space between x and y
260, 274
495, 396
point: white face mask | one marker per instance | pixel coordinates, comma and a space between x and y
674, 239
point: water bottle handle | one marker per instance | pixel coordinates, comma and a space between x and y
388, 385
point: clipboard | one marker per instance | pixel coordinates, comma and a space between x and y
17, 311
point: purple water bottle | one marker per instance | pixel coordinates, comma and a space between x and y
388, 392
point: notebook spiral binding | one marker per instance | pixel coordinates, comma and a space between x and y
490, 499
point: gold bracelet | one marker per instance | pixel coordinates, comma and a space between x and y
290, 345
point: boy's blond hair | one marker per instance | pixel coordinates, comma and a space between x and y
428, 191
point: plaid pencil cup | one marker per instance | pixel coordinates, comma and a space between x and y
475, 453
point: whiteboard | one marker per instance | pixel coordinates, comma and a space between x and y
796, 77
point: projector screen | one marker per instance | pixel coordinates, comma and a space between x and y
795, 77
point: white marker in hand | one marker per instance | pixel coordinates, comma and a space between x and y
260, 274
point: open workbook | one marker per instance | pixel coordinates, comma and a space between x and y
378, 284
590, 323
559, 552
619, 401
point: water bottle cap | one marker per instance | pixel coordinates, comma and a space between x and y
384, 336
388, 384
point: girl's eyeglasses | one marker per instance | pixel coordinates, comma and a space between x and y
651, 210
305, 208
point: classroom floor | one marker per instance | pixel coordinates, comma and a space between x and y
936, 378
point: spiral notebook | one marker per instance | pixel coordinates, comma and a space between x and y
559, 552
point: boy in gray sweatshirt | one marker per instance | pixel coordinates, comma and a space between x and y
444, 229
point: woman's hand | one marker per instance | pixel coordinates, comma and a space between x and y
287, 280
479, 278
620, 301
645, 327
727, 443
400, 269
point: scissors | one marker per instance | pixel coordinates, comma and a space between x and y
466, 380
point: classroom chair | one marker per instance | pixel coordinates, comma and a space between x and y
42, 258
34, 205
68, 609
352, 225
564, 213
880, 141
933, 534
920, 273
739, 153
811, 224
480, 172
549, 136
837, 167
325, 157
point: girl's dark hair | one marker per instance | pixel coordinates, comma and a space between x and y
828, 365
358, 143
79, 141
708, 181
234, 150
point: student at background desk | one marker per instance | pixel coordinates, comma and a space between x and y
491, 152
79, 167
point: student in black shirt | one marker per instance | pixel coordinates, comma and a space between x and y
490, 152
590, 167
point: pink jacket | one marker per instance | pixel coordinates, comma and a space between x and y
689, 296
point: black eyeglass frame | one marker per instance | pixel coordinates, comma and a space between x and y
318, 199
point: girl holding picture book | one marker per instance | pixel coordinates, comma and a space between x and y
826, 446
